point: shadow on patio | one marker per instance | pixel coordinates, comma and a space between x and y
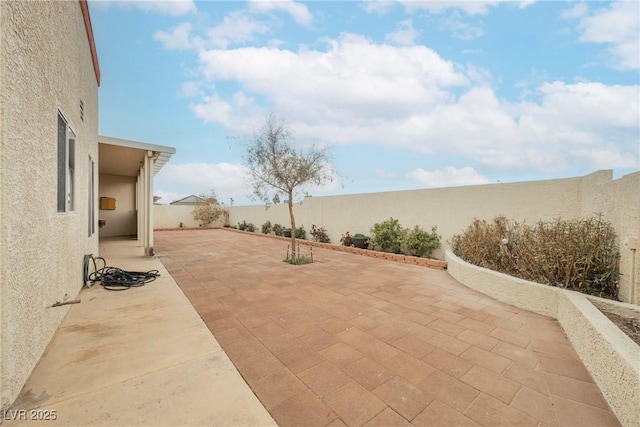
136, 357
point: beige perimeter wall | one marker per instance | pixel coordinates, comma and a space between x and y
45, 65
177, 216
453, 209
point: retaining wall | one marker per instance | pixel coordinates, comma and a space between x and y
612, 358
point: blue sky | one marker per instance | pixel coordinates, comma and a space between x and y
407, 94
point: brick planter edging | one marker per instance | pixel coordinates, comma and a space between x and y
407, 259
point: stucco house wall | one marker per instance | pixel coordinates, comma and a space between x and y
46, 66
453, 209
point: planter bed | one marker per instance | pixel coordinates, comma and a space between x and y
426, 262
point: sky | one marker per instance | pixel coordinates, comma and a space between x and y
404, 94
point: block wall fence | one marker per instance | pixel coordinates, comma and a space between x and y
452, 209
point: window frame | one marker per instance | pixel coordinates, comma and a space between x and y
67, 160
92, 192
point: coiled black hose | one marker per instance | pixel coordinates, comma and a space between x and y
112, 278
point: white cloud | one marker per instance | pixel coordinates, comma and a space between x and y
298, 11
166, 197
227, 180
235, 28
163, 7
180, 180
468, 7
241, 113
409, 98
379, 7
405, 34
331, 184
190, 90
460, 29
617, 26
447, 177
354, 75
476, 7
179, 38
577, 11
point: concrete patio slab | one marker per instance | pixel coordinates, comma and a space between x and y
141, 356
383, 342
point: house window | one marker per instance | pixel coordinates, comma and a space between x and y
92, 206
66, 165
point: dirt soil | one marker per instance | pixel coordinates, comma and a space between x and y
629, 326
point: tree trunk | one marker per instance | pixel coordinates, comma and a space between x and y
294, 253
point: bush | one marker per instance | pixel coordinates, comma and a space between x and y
208, 210
387, 236
301, 233
246, 226
278, 229
319, 234
580, 255
421, 243
266, 227
345, 239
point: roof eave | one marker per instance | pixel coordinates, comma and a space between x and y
92, 45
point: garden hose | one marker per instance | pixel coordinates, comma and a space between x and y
112, 278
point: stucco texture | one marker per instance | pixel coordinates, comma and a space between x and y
172, 216
46, 67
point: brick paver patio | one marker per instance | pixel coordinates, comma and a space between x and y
353, 340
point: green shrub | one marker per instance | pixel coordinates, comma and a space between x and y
319, 234
387, 236
246, 226
301, 233
278, 229
580, 255
266, 227
421, 243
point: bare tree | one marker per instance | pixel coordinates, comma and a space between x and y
277, 167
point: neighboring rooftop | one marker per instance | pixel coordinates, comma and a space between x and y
189, 201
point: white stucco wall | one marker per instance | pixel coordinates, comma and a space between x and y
171, 216
45, 66
450, 209
124, 219
619, 202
